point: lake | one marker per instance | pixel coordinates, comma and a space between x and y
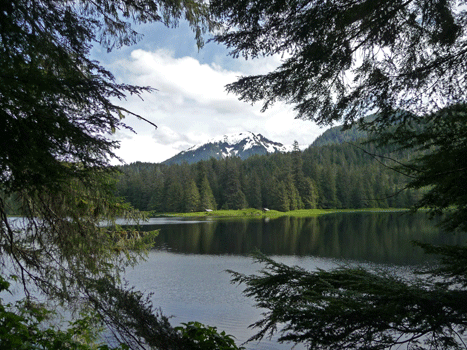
186, 270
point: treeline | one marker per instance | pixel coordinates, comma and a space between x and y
332, 176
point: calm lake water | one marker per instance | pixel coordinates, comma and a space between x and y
186, 272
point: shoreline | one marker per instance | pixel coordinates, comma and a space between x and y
252, 213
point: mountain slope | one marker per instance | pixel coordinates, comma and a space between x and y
336, 135
241, 145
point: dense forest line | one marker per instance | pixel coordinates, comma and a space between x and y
331, 176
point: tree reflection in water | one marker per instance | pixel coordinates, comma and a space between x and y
370, 236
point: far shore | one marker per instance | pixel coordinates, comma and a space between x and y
272, 213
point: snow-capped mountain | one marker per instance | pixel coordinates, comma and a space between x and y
243, 145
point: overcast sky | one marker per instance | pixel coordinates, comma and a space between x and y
191, 105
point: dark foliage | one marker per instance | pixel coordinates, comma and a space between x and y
346, 59
354, 308
405, 62
332, 176
57, 112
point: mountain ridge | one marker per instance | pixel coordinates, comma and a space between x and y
242, 145
337, 135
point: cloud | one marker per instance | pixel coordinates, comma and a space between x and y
191, 105
144, 149
181, 82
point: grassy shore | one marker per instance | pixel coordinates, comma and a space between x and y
272, 213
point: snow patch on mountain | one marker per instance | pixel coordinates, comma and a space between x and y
247, 140
243, 145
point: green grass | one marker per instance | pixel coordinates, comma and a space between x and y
372, 210
256, 213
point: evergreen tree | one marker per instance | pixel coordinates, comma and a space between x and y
343, 186
309, 194
406, 61
294, 199
156, 198
175, 198
253, 192
300, 182
207, 200
234, 198
145, 185
381, 196
267, 191
328, 188
424, 54
58, 109
192, 197
280, 198
357, 199
297, 162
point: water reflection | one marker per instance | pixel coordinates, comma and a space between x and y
187, 276
375, 237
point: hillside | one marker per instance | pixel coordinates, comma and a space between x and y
336, 135
333, 175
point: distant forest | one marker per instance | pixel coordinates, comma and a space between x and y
330, 175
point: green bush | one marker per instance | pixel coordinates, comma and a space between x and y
207, 337
25, 326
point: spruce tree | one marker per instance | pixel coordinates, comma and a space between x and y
254, 192
309, 194
58, 110
295, 202
280, 197
405, 62
234, 198
207, 200
192, 197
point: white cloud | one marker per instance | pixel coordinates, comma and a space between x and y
144, 148
192, 106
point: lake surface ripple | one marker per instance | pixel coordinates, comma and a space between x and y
186, 272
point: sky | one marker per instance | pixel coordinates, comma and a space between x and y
190, 104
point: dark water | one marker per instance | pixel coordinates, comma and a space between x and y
375, 237
187, 271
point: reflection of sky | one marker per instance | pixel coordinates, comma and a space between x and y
166, 221
198, 288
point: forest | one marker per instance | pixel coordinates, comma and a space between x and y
331, 175
404, 61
